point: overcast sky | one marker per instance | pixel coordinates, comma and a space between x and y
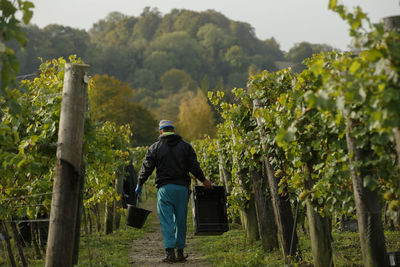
288, 21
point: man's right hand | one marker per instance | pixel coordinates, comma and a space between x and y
207, 183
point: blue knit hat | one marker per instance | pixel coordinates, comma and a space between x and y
165, 123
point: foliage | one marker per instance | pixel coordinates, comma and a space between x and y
195, 117
231, 249
303, 122
140, 50
28, 145
303, 119
29, 142
111, 100
303, 50
106, 250
10, 28
207, 153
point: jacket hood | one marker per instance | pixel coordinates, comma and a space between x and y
170, 139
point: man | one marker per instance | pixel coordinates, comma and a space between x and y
173, 159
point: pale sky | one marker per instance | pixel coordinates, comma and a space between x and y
288, 21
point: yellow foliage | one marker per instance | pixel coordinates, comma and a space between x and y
195, 118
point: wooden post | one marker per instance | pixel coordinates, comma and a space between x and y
4, 232
64, 205
35, 237
96, 210
369, 213
108, 216
265, 213
320, 230
18, 244
282, 210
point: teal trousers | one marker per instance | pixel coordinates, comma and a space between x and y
172, 206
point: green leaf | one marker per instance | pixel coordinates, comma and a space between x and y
2, 47
20, 163
371, 55
332, 4
370, 182
354, 67
27, 16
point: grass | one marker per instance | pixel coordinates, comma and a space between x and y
107, 250
231, 249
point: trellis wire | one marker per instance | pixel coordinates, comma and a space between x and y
27, 196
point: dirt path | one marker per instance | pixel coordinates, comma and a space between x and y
149, 250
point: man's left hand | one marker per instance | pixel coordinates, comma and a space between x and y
138, 190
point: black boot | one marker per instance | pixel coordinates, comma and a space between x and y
180, 255
170, 258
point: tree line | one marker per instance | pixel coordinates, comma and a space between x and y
164, 59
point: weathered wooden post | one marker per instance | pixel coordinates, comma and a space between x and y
109, 216
64, 206
18, 244
265, 213
320, 229
4, 232
282, 210
369, 213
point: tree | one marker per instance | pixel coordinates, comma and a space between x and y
111, 100
99, 33
236, 57
61, 41
214, 40
147, 24
115, 61
184, 49
176, 80
144, 78
304, 50
10, 27
188, 21
159, 62
195, 117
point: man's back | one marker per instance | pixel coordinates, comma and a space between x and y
173, 158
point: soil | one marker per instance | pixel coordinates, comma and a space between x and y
149, 250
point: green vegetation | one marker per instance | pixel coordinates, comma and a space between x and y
106, 250
325, 140
163, 57
232, 249
10, 28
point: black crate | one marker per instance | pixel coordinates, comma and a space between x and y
209, 210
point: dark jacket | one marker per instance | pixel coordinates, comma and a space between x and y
173, 159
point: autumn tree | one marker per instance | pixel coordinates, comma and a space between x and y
195, 117
111, 100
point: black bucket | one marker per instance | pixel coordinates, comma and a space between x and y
136, 216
